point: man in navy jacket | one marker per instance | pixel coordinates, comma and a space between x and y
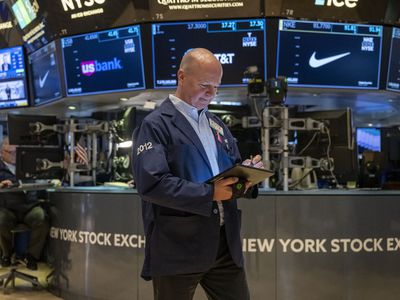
192, 227
19, 207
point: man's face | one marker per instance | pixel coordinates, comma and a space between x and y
8, 153
199, 86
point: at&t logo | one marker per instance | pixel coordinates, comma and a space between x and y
337, 3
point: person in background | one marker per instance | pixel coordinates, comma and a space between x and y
16, 207
8, 92
192, 227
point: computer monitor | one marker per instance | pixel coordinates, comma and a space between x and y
368, 139
391, 149
21, 130
13, 90
29, 163
238, 44
340, 143
393, 76
329, 55
104, 61
45, 74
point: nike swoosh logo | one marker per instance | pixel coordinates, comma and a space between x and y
42, 81
316, 63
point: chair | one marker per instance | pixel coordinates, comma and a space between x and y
13, 272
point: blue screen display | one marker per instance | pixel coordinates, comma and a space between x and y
103, 61
393, 78
369, 139
337, 55
237, 44
45, 75
13, 92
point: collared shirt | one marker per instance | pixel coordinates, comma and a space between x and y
10, 167
201, 126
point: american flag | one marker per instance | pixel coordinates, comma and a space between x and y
81, 155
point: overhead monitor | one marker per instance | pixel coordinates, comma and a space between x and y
330, 55
24, 12
13, 91
238, 44
45, 74
104, 61
393, 78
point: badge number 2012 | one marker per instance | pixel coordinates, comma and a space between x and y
143, 147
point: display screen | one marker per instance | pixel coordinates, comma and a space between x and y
103, 61
238, 44
24, 12
13, 91
45, 75
369, 139
393, 78
337, 55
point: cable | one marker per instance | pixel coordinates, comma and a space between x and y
328, 150
298, 181
308, 145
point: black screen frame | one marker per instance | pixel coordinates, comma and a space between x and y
60, 73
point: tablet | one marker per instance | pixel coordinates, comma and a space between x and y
254, 175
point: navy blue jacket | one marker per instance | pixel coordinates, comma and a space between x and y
15, 201
181, 220
5, 173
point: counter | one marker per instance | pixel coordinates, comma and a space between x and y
297, 245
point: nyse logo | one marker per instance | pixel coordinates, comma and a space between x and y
90, 67
337, 3
249, 41
367, 44
70, 4
225, 58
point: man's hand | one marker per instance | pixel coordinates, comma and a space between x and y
223, 189
5, 183
255, 162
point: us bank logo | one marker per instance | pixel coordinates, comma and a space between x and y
90, 67
337, 3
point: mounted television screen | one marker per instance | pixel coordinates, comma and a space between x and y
104, 61
45, 74
393, 78
331, 55
24, 12
237, 44
13, 92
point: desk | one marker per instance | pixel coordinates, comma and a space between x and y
297, 245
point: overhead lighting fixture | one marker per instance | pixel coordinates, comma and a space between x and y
370, 124
72, 107
123, 99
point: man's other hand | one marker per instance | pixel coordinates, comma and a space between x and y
5, 183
